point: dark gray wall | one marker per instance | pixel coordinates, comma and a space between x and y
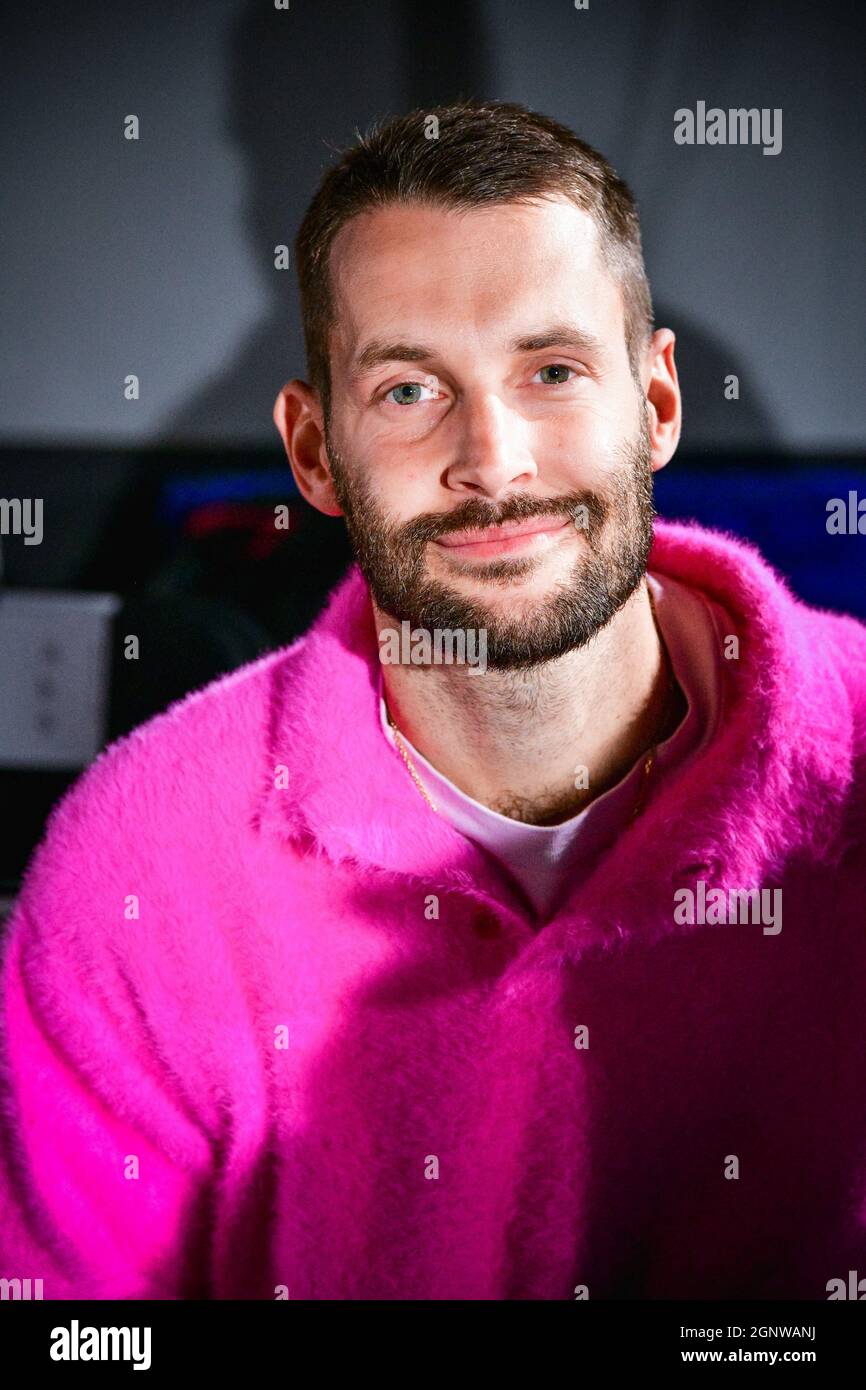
155, 256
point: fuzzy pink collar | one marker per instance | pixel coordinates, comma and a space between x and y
771, 786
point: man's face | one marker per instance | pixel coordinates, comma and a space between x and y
488, 441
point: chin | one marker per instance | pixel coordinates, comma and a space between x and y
513, 604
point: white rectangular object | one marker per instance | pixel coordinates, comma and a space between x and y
55, 669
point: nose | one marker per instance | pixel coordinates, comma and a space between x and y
492, 451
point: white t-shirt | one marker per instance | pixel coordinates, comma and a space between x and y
543, 859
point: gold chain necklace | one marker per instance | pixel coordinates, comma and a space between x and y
649, 760
410, 767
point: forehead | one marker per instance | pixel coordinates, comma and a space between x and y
468, 273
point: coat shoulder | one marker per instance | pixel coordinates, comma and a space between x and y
839, 641
173, 786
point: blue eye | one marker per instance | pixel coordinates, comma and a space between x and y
556, 367
402, 393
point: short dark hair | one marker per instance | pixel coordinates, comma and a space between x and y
484, 152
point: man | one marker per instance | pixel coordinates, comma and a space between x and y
532, 973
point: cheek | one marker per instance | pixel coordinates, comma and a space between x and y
585, 444
405, 490
577, 455
398, 484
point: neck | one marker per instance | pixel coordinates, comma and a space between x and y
517, 741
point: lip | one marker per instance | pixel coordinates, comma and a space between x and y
498, 540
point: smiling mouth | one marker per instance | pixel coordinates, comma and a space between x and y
498, 540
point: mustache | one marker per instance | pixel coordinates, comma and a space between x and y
475, 514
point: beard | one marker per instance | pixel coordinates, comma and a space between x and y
617, 526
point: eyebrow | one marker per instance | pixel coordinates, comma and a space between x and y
556, 335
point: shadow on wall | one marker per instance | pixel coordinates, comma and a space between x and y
704, 363
297, 94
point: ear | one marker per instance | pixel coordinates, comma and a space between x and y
664, 406
298, 417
